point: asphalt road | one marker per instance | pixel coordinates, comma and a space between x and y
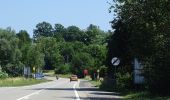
61, 89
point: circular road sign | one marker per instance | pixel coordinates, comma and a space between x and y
115, 61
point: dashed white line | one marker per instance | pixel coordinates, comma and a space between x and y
75, 91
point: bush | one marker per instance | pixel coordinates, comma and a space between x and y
3, 75
103, 71
123, 81
63, 69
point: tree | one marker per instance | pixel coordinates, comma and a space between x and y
10, 54
98, 53
35, 57
95, 35
43, 29
50, 48
73, 34
80, 62
24, 45
59, 31
147, 24
24, 38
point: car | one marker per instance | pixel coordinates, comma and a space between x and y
73, 78
39, 75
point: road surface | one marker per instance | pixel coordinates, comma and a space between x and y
61, 89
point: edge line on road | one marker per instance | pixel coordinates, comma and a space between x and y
36, 92
75, 91
27, 96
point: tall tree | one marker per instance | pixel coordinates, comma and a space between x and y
43, 29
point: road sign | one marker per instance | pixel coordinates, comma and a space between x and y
33, 69
115, 61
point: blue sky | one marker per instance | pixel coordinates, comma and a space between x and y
25, 14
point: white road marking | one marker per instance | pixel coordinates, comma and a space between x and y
27, 96
75, 91
37, 92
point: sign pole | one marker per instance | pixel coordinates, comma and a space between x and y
115, 62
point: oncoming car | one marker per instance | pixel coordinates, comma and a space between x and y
73, 78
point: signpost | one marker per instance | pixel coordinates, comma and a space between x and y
115, 62
98, 74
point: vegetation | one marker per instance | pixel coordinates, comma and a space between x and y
142, 31
11, 82
65, 50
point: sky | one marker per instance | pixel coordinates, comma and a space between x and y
26, 14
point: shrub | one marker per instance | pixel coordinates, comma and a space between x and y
3, 75
103, 71
123, 81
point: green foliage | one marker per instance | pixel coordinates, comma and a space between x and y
141, 31
123, 81
103, 71
10, 54
80, 62
64, 49
43, 29
63, 69
3, 75
35, 57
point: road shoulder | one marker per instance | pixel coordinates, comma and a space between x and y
88, 92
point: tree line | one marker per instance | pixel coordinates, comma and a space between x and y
65, 50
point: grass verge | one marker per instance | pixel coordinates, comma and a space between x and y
95, 83
64, 75
12, 82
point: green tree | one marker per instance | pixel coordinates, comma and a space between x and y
80, 62
50, 48
73, 34
10, 54
35, 57
59, 31
43, 29
24, 45
147, 24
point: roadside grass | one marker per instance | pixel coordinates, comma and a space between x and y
95, 83
19, 81
49, 72
144, 96
64, 75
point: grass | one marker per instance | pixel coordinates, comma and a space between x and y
51, 73
13, 82
96, 83
64, 75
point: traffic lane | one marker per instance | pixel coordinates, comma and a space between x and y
25, 92
63, 91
